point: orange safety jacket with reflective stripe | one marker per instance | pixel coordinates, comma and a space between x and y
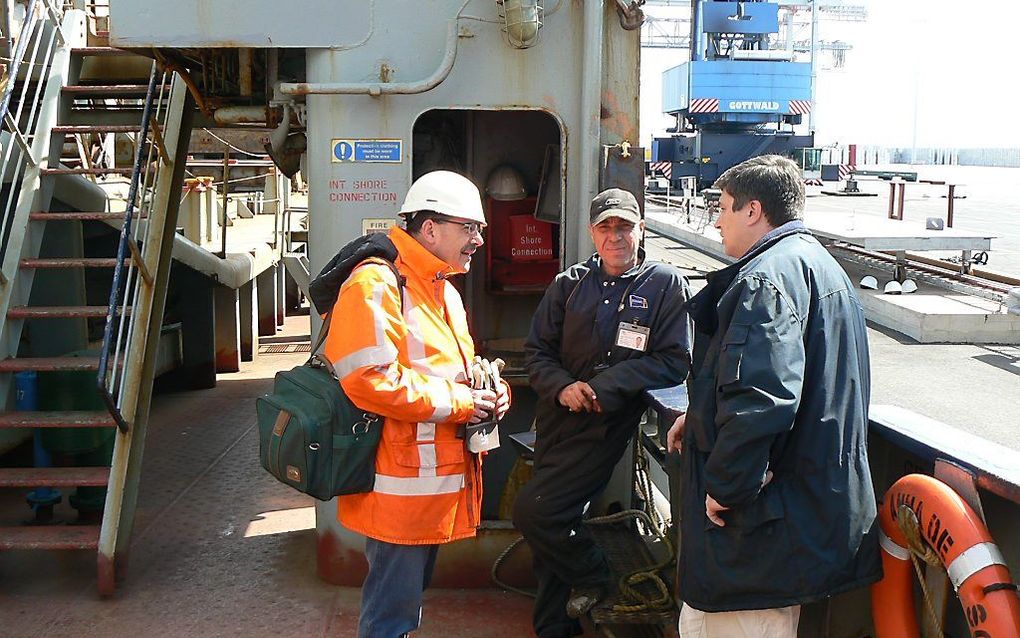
411, 369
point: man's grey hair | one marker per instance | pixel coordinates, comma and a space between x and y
773, 180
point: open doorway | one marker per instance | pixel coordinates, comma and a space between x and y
515, 158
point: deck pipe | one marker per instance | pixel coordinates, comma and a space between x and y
26, 399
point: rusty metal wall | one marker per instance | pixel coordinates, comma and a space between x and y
252, 23
487, 75
374, 67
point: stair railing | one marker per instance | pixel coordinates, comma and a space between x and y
136, 309
130, 273
29, 109
22, 102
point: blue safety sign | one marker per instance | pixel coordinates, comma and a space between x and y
355, 150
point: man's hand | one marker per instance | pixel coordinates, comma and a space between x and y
675, 435
713, 508
579, 397
502, 400
485, 403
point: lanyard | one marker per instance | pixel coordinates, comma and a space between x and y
604, 354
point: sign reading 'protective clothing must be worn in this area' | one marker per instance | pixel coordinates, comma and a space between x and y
354, 150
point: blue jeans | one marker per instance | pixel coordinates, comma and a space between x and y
391, 595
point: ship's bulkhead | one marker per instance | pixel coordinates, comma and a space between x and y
545, 113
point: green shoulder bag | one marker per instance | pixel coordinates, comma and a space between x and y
311, 436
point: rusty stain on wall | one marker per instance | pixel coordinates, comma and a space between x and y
617, 119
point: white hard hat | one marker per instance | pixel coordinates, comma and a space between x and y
446, 193
869, 283
909, 286
505, 184
893, 288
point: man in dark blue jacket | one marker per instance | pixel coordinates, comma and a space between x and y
777, 506
606, 330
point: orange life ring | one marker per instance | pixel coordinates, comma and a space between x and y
959, 537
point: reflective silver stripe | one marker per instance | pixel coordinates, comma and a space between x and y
418, 486
415, 340
440, 393
426, 432
427, 459
454, 305
972, 561
381, 355
447, 370
889, 545
458, 318
384, 352
387, 274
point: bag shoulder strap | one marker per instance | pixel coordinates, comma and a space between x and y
324, 330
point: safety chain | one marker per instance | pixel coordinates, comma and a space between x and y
907, 521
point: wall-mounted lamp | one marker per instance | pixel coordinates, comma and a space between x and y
740, 14
522, 20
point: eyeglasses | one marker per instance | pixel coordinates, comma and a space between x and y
471, 228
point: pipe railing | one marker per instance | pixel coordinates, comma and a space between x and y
130, 274
22, 103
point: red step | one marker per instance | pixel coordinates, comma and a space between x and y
87, 171
107, 90
70, 262
49, 537
69, 419
54, 476
104, 51
50, 364
96, 128
57, 312
45, 216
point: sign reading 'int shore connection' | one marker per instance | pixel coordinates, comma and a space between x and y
354, 150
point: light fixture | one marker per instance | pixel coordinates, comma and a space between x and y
739, 15
522, 20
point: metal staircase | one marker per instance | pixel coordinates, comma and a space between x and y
44, 107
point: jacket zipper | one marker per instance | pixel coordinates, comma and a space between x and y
470, 480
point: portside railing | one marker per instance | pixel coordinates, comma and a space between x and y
22, 102
130, 273
29, 109
137, 301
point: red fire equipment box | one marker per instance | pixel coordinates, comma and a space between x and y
523, 251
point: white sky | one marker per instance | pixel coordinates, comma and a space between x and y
962, 56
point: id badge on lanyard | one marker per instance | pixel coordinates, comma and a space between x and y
632, 336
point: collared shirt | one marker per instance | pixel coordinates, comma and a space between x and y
573, 329
607, 314
796, 224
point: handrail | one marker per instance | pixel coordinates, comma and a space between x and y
18, 57
995, 467
16, 155
121, 271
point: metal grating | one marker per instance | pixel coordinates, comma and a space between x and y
284, 348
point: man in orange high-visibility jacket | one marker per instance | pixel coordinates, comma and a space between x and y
408, 361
